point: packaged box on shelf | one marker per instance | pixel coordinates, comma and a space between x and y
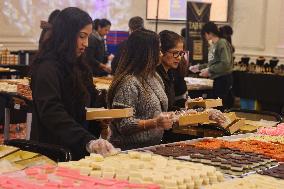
205, 103
101, 113
196, 118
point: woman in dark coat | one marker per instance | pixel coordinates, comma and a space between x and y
62, 87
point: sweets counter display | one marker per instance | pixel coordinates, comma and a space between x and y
13, 159
198, 83
250, 182
208, 163
148, 168
234, 155
51, 177
16, 87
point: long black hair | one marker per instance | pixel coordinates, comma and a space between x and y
210, 27
140, 59
61, 48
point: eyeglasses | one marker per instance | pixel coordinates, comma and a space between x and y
176, 54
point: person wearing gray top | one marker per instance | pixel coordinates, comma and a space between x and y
137, 85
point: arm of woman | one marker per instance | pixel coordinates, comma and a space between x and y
127, 97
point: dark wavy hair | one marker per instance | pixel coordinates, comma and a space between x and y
169, 40
46, 26
226, 32
61, 48
136, 23
101, 23
210, 27
140, 58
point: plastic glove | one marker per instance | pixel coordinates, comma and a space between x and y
204, 72
165, 120
217, 116
194, 68
101, 146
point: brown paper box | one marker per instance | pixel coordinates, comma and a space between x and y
101, 113
235, 125
193, 119
206, 103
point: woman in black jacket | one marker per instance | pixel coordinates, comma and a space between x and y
62, 87
172, 47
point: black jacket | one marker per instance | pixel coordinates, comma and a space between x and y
96, 54
180, 89
120, 50
57, 117
168, 80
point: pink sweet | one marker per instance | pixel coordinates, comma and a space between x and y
32, 172
280, 126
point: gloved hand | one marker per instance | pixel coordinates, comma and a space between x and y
217, 116
204, 73
101, 146
165, 120
194, 68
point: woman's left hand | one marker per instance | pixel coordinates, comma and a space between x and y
204, 73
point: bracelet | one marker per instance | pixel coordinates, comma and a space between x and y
155, 122
143, 124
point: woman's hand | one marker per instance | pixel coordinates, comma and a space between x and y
194, 68
101, 146
165, 120
217, 116
204, 72
105, 125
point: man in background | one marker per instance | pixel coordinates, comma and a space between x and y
135, 23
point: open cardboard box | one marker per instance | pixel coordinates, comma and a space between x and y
101, 113
189, 119
235, 125
205, 103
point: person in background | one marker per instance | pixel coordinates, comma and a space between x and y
226, 32
96, 51
137, 85
220, 64
46, 26
62, 87
135, 23
172, 47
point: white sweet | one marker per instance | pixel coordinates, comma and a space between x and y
97, 157
141, 167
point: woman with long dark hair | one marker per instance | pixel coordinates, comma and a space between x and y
62, 87
137, 85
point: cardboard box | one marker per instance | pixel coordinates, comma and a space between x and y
190, 119
101, 113
105, 80
235, 125
205, 103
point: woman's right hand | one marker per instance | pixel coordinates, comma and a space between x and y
164, 120
101, 146
194, 68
